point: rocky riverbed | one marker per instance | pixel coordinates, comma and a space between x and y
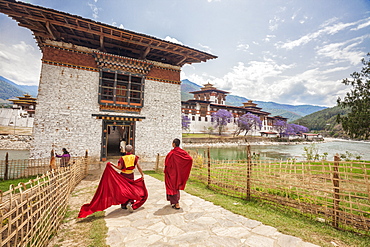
15, 142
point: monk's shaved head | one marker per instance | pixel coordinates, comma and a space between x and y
176, 142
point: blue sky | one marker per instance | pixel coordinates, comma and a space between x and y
291, 52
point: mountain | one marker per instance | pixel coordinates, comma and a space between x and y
292, 112
322, 120
325, 122
9, 89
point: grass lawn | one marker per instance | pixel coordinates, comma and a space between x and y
4, 184
286, 221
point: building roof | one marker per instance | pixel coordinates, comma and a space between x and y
24, 100
209, 88
258, 112
50, 24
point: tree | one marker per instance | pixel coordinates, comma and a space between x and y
185, 122
357, 122
248, 122
295, 129
280, 126
221, 118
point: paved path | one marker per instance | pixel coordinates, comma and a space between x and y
197, 223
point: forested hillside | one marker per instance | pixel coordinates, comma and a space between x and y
8, 91
324, 122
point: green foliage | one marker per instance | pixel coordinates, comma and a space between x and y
5, 184
322, 120
356, 123
348, 156
8, 91
311, 152
325, 122
286, 221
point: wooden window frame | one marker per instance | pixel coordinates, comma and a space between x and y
122, 89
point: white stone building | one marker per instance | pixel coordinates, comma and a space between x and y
209, 100
100, 84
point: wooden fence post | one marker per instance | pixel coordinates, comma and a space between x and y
336, 191
209, 166
249, 171
86, 162
157, 163
6, 166
53, 164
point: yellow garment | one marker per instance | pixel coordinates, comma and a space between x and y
129, 163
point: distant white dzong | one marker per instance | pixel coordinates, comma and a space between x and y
209, 100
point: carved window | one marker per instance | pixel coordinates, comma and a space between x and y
121, 89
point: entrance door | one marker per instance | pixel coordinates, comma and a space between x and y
113, 134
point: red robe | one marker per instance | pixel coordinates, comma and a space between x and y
177, 170
115, 189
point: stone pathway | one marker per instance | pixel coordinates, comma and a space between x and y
197, 223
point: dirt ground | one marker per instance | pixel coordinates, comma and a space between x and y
11, 130
73, 231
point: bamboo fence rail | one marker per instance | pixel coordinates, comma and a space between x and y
30, 213
335, 192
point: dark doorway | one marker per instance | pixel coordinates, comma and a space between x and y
114, 135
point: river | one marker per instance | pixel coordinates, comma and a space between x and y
284, 152
14, 154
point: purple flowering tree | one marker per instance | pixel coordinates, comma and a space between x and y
295, 129
221, 118
248, 122
280, 126
185, 122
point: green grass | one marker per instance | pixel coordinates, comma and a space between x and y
98, 231
286, 221
5, 184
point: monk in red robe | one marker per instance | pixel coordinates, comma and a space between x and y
126, 164
177, 168
115, 188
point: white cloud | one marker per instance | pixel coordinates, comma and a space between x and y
95, 10
205, 48
242, 47
20, 63
173, 40
336, 69
325, 29
345, 51
268, 38
268, 81
362, 25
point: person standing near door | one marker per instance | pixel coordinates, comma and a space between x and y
122, 146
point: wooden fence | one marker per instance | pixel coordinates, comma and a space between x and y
30, 213
334, 192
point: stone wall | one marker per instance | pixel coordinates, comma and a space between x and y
162, 123
66, 101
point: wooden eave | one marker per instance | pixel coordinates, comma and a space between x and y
242, 109
25, 102
49, 24
209, 91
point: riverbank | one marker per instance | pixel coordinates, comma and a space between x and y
15, 142
233, 142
